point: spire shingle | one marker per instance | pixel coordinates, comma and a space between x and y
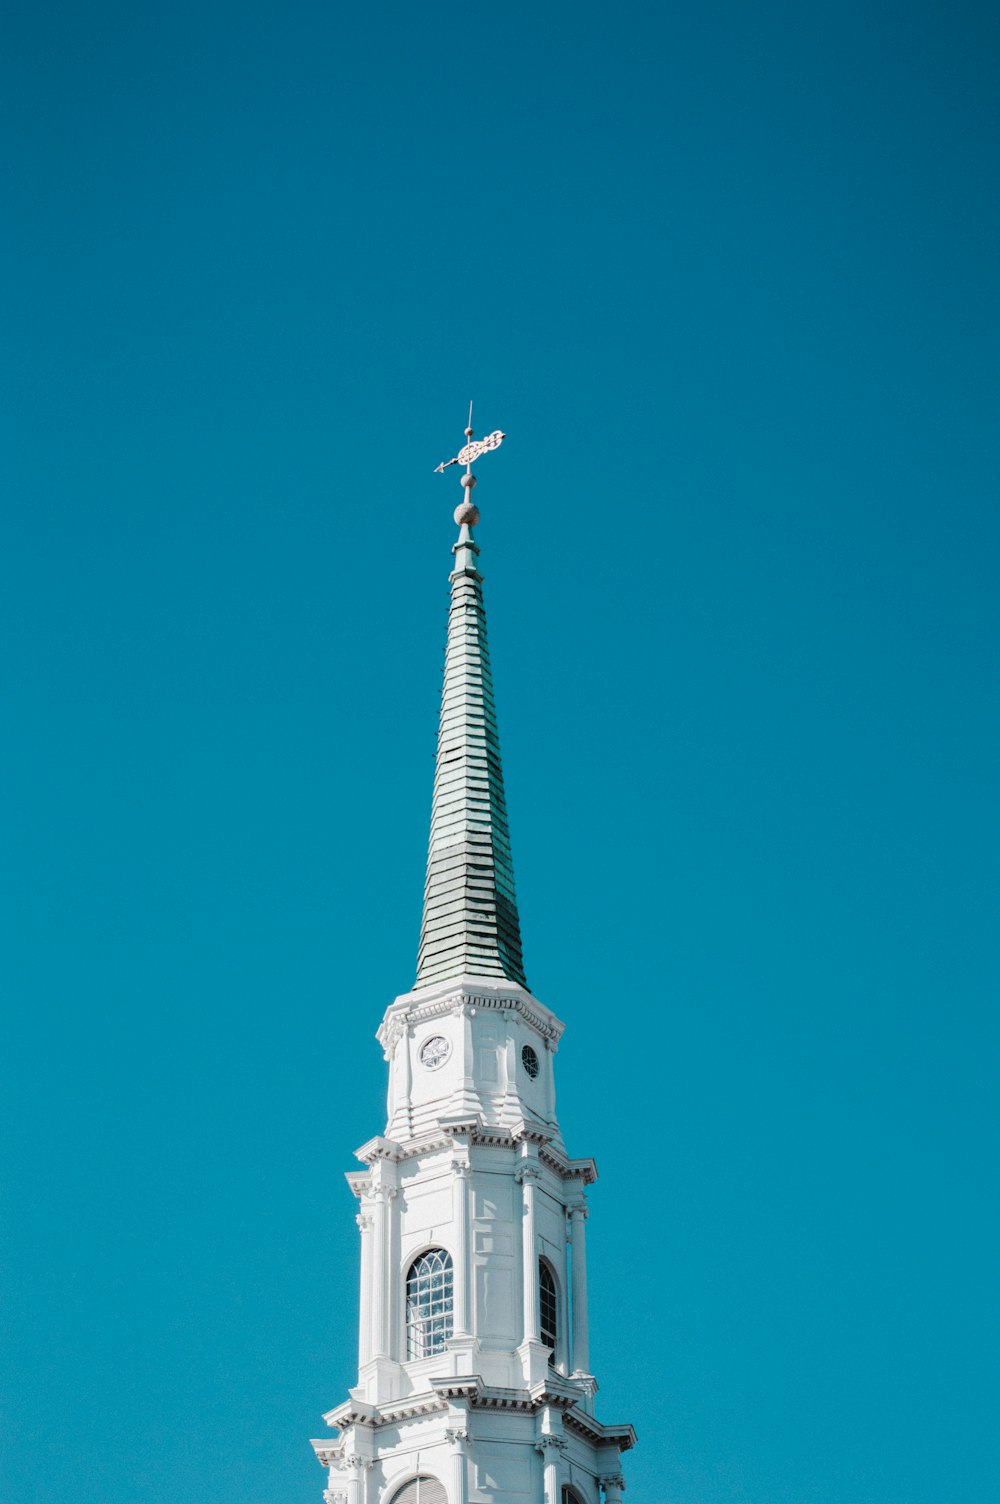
470, 924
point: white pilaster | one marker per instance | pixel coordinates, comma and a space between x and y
458, 1440
551, 1448
613, 1484
406, 1045
550, 1081
529, 1176
397, 1340
364, 1221
534, 1357
356, 1479
383, 1281
578, 1254
461, 1173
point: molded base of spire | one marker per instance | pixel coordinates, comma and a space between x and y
475, 1049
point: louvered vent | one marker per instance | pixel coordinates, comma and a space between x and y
421, 1491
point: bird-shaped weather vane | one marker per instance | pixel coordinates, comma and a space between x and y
471, 452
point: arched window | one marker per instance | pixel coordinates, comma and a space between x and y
429, 1287
422, 1490
570, 1495
548, 1303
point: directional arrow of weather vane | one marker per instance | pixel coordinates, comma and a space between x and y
471, 452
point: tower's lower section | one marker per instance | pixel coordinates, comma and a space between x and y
469, 1444
474, 1381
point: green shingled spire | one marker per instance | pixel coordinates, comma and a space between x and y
470, 924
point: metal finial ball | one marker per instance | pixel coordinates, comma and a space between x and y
468, 481
467, 513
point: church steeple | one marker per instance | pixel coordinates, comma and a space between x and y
470, 922
474, 1381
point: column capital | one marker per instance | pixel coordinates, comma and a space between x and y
456, 1436
527, 1174
550, 1444
364, 1221
384, 1192
355, 1461
578, 1208
461, 1169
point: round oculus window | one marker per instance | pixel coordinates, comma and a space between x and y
434, 1052
530, 1061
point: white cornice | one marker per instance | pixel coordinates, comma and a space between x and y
352, 1412
553, 1392
503, 1399
461, 1125
412, 1406
532, 1133
379, 1148
465, 992
556, 1391
358, 1181
462, 1386
452, 1130
623, 1437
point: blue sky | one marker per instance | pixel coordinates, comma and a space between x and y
727, 277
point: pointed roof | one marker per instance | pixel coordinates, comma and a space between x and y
470, 923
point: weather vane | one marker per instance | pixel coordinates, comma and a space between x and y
471, 451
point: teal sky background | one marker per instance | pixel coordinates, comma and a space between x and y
727, 275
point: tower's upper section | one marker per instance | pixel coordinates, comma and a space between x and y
470, 924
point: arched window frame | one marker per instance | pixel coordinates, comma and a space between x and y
550, 1305
428, 1303
413, 1491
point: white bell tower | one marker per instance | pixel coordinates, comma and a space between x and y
474, 1381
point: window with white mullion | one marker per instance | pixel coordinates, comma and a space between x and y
548, 1306
429, 1304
